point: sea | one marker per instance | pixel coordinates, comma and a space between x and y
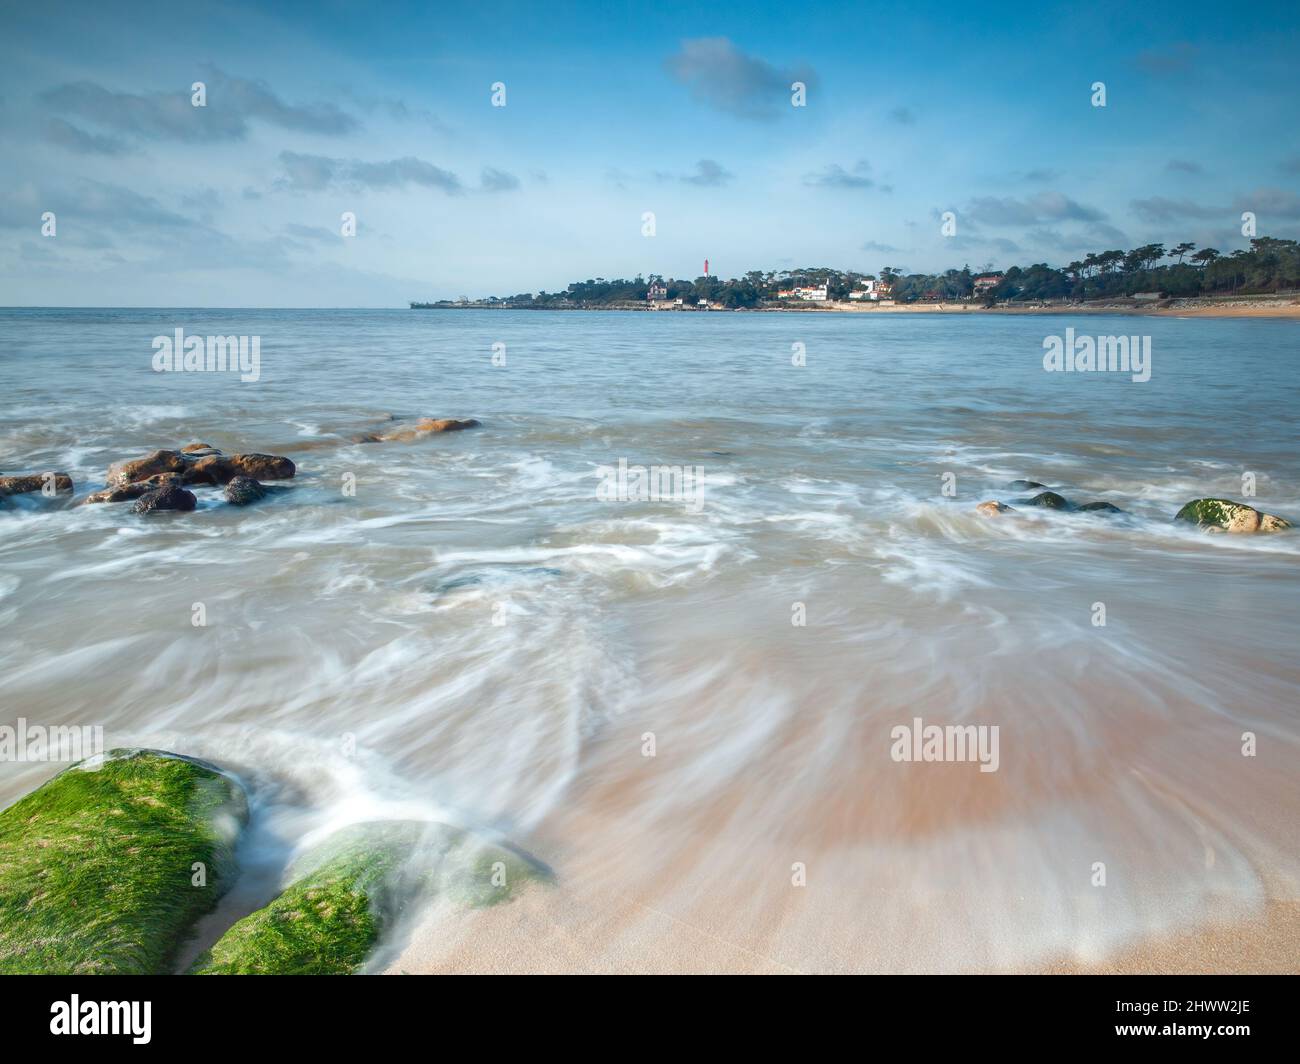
662, 618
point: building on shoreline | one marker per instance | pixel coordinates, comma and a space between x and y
818, 294
872, 289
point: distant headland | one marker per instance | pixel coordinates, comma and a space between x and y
1261, 281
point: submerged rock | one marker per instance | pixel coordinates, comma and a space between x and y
1100, 508
170, 497
1025, 485
23, 484
343, 896
244, 490
132, 469
992, 508
1223, 515
494, 576
100, 867
424, 427
1050, 500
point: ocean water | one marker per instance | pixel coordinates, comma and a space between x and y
477, 635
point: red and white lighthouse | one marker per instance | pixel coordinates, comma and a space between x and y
706, 267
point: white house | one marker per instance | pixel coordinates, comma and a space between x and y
818, 294
871, 289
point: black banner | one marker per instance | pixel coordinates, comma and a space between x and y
1220, 1015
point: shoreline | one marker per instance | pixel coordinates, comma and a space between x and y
1171, 308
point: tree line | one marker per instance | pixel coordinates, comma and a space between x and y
1269, 265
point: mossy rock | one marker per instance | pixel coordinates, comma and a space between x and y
97, 871
1224, 515
343, 896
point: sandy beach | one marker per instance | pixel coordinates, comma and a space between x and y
553, 935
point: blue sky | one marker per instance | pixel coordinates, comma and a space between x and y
612, 111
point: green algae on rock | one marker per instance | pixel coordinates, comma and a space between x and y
106, 868
1224, 515
344, 894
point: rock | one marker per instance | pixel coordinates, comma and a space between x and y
134, 490
211, 469
219, 469
132, 469
993, 508
243, 490
263, 466
21, 485
1223, 515
97, 866
171, 497
1099, 508
424, 427
199, 450
1025, 485
342, 897
1048, 499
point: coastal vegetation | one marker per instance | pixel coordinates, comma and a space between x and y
344, 895
105, 869
1270, 265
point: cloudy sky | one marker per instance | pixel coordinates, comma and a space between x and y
612, 110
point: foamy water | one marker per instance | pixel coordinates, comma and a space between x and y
477, 637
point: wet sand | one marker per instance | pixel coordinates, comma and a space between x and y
552, 932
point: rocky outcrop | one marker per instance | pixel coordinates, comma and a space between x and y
341, 897
106, 868
1224, 515
23, 484
133, 469
244, 490
170, 497
424, 427
197, 463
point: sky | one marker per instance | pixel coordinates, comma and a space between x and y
387, 112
